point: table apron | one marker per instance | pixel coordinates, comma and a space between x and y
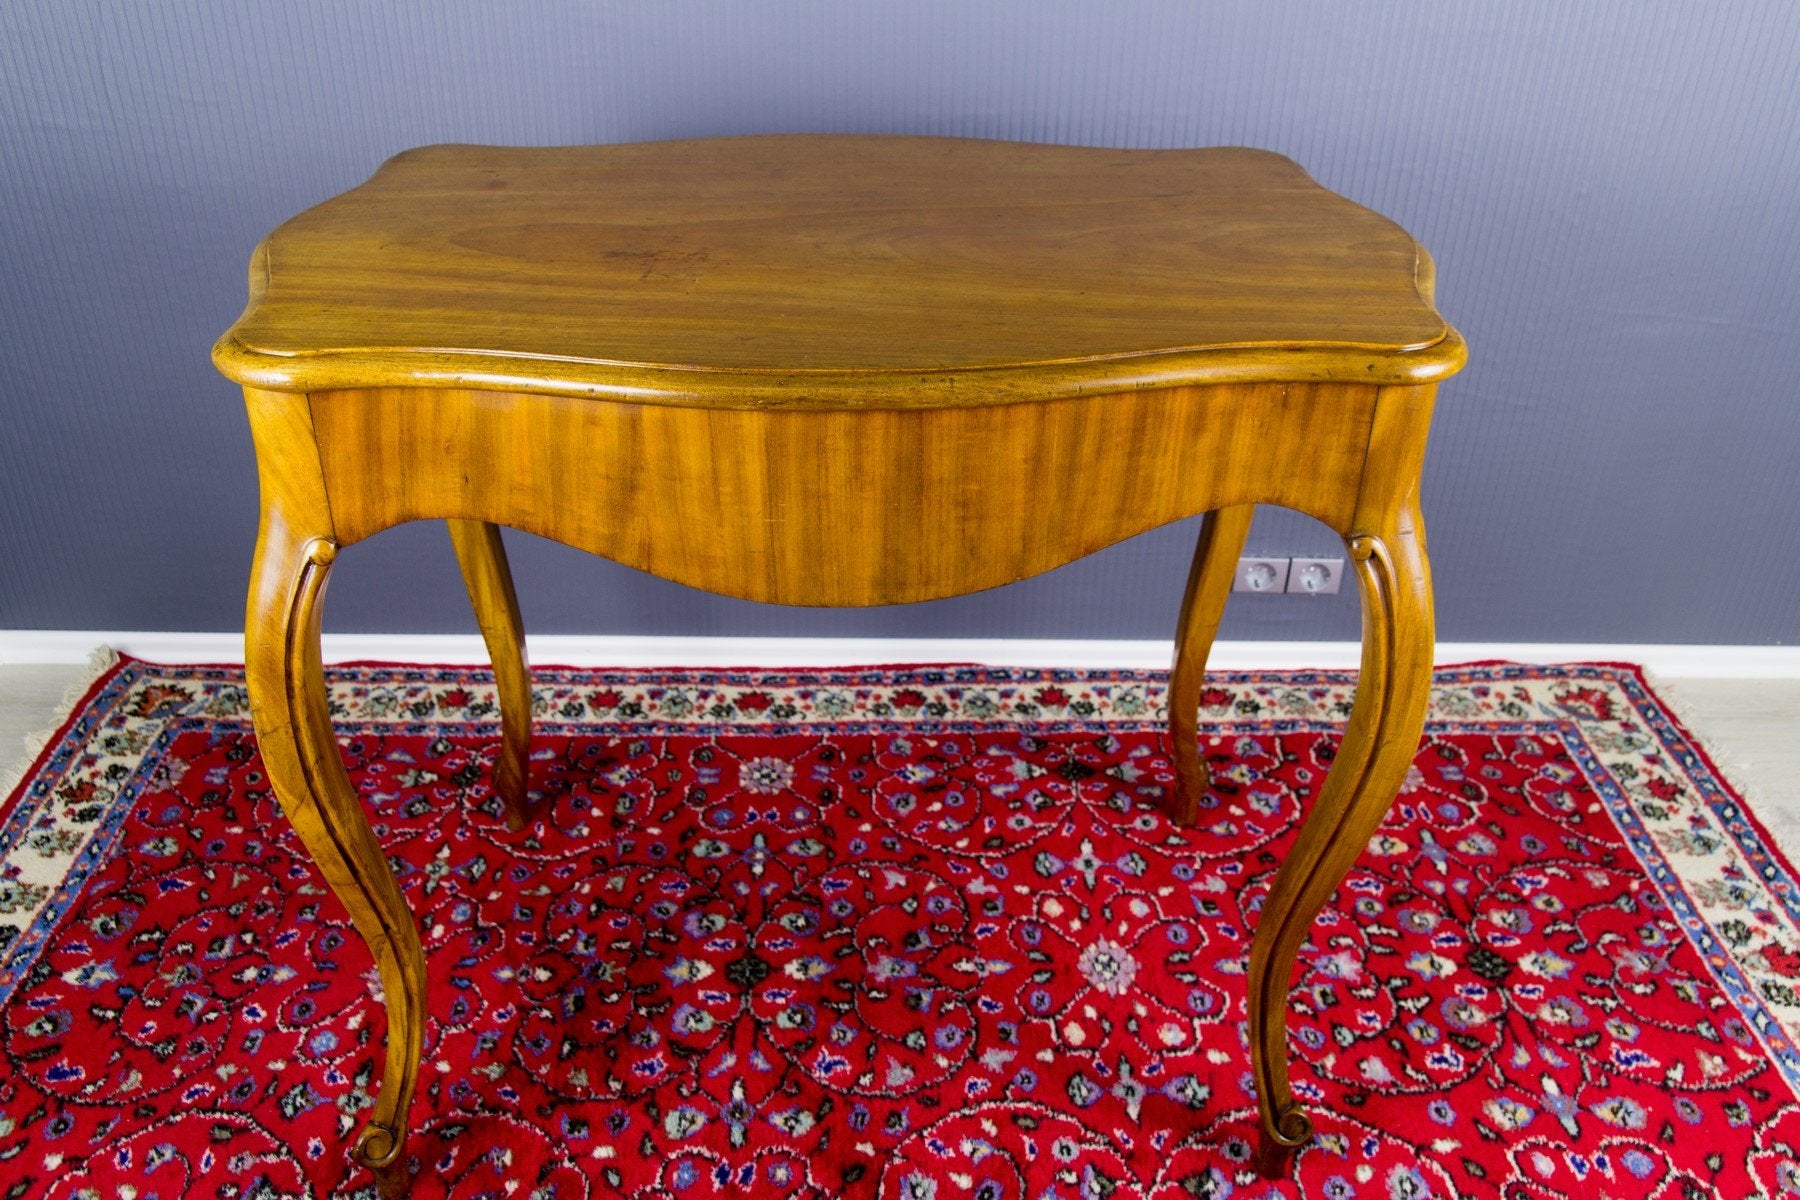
842, 507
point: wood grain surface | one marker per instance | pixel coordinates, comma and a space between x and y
839, 507
819, 271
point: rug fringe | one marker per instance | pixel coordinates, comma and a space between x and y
1781, 820
101, 660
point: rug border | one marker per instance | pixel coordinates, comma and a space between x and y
70, 711
74, 706
1779, 846
1710, 757
1784, 848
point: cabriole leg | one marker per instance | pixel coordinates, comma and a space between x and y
485, 573
1222, 535
1394, 580
300, 754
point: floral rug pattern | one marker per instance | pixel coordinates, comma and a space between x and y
897, 932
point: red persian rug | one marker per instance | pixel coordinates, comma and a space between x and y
911, 933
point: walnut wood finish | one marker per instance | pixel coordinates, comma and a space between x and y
825, 271
1386, 543
294, 555
835, 371
482, 557
1222, 535
839, 506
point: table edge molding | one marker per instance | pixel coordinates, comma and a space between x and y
827, 389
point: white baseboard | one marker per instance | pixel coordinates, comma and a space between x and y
1674, 662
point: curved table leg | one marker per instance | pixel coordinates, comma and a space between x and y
1222, 535
293, 731
1393, 577
482, 557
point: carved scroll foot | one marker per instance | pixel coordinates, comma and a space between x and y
1378, 747
485, 572
299, 752
1222, 535
379, 1149
1275, 1146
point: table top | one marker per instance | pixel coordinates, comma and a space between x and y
826, 271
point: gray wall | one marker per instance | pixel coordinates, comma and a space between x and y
1611, 189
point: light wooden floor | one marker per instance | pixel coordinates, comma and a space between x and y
1752, 725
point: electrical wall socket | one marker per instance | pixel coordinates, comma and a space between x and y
1315, 576
1265, 575
1295, 576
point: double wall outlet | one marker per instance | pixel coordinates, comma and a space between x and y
1295, 576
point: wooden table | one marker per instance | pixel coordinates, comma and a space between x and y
835, 371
